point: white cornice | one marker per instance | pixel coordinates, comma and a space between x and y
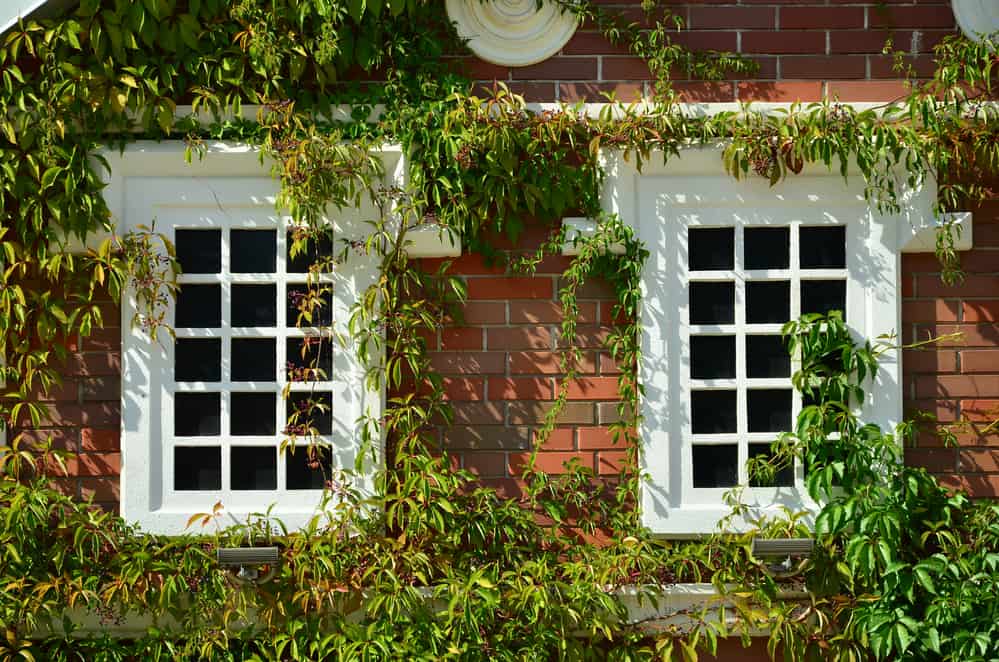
11, 11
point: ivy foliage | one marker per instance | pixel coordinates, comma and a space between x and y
435, 566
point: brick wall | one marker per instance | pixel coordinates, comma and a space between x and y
805, 48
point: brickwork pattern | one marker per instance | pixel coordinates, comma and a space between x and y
806, 49
957, 380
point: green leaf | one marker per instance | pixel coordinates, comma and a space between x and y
356, 10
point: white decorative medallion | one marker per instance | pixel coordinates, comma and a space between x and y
977, 17
512, 33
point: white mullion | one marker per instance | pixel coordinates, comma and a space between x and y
741, 396
226, 385
281, 352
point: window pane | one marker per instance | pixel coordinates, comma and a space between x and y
197, 468
823, 247
254, 305
766, 356
821, 296
197, 360
254, 360
253, 251
712, 412
769, 410
199, 307
715, 466
767, 248
197, 414
712, 249
307, 467
199, 251
712, 357
306, 411
712, 303
314, 301
316, 363
253, 414
768, 303
783, 478
253, 468
316, 248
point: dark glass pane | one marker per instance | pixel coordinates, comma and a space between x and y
316, 301
712, 412
766, 356
716, 466
316, 363
316, 248
199, 307
712, 249
712, 357
823, 248
821, 296
197, 468
199, 251
712, 303
308, 467
197, 415
253, 468
253, 251
768, 303
254, 360
306, 411
783, 478
254, 305
767, 248
769, 410
252, 414
197, 360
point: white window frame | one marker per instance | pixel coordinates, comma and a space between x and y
229, 186
665, 198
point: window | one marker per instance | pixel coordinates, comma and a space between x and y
730, 262
204, 416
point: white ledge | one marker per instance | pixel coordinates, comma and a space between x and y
924, 239
578, 228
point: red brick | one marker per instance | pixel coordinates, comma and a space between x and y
518, 338
611, 462
468, 363
546, 363
597, 439
463, 337
702, 40
483, 312
509, 288
824, 67
551, 462
929, 361
549, 312
533, 92
979, 461
969, 335
68, 391
477, 413
980, 410
957, 386
743, 18
930, 311
866, 90
92, 439
883, 66
945, 411
90, 363
559, 68
973, 286
705, 92
608, 365
599, 92
785, 41
467, 264
910, 17
780, 92
592, 43
486, 464
61, 438
980, 311
981, 486
821, 18
560, 439
589, 337
625, 68
980, 360
477, 69
72, 415
464, 388
99, 464
522, 388
103, 340
934, 460
100, 489
593, 388
866, 41
487, 437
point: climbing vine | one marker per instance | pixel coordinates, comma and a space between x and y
443, 568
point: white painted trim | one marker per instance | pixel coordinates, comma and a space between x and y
14, 10
229, 187
924, 239
579, 227
694, 188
